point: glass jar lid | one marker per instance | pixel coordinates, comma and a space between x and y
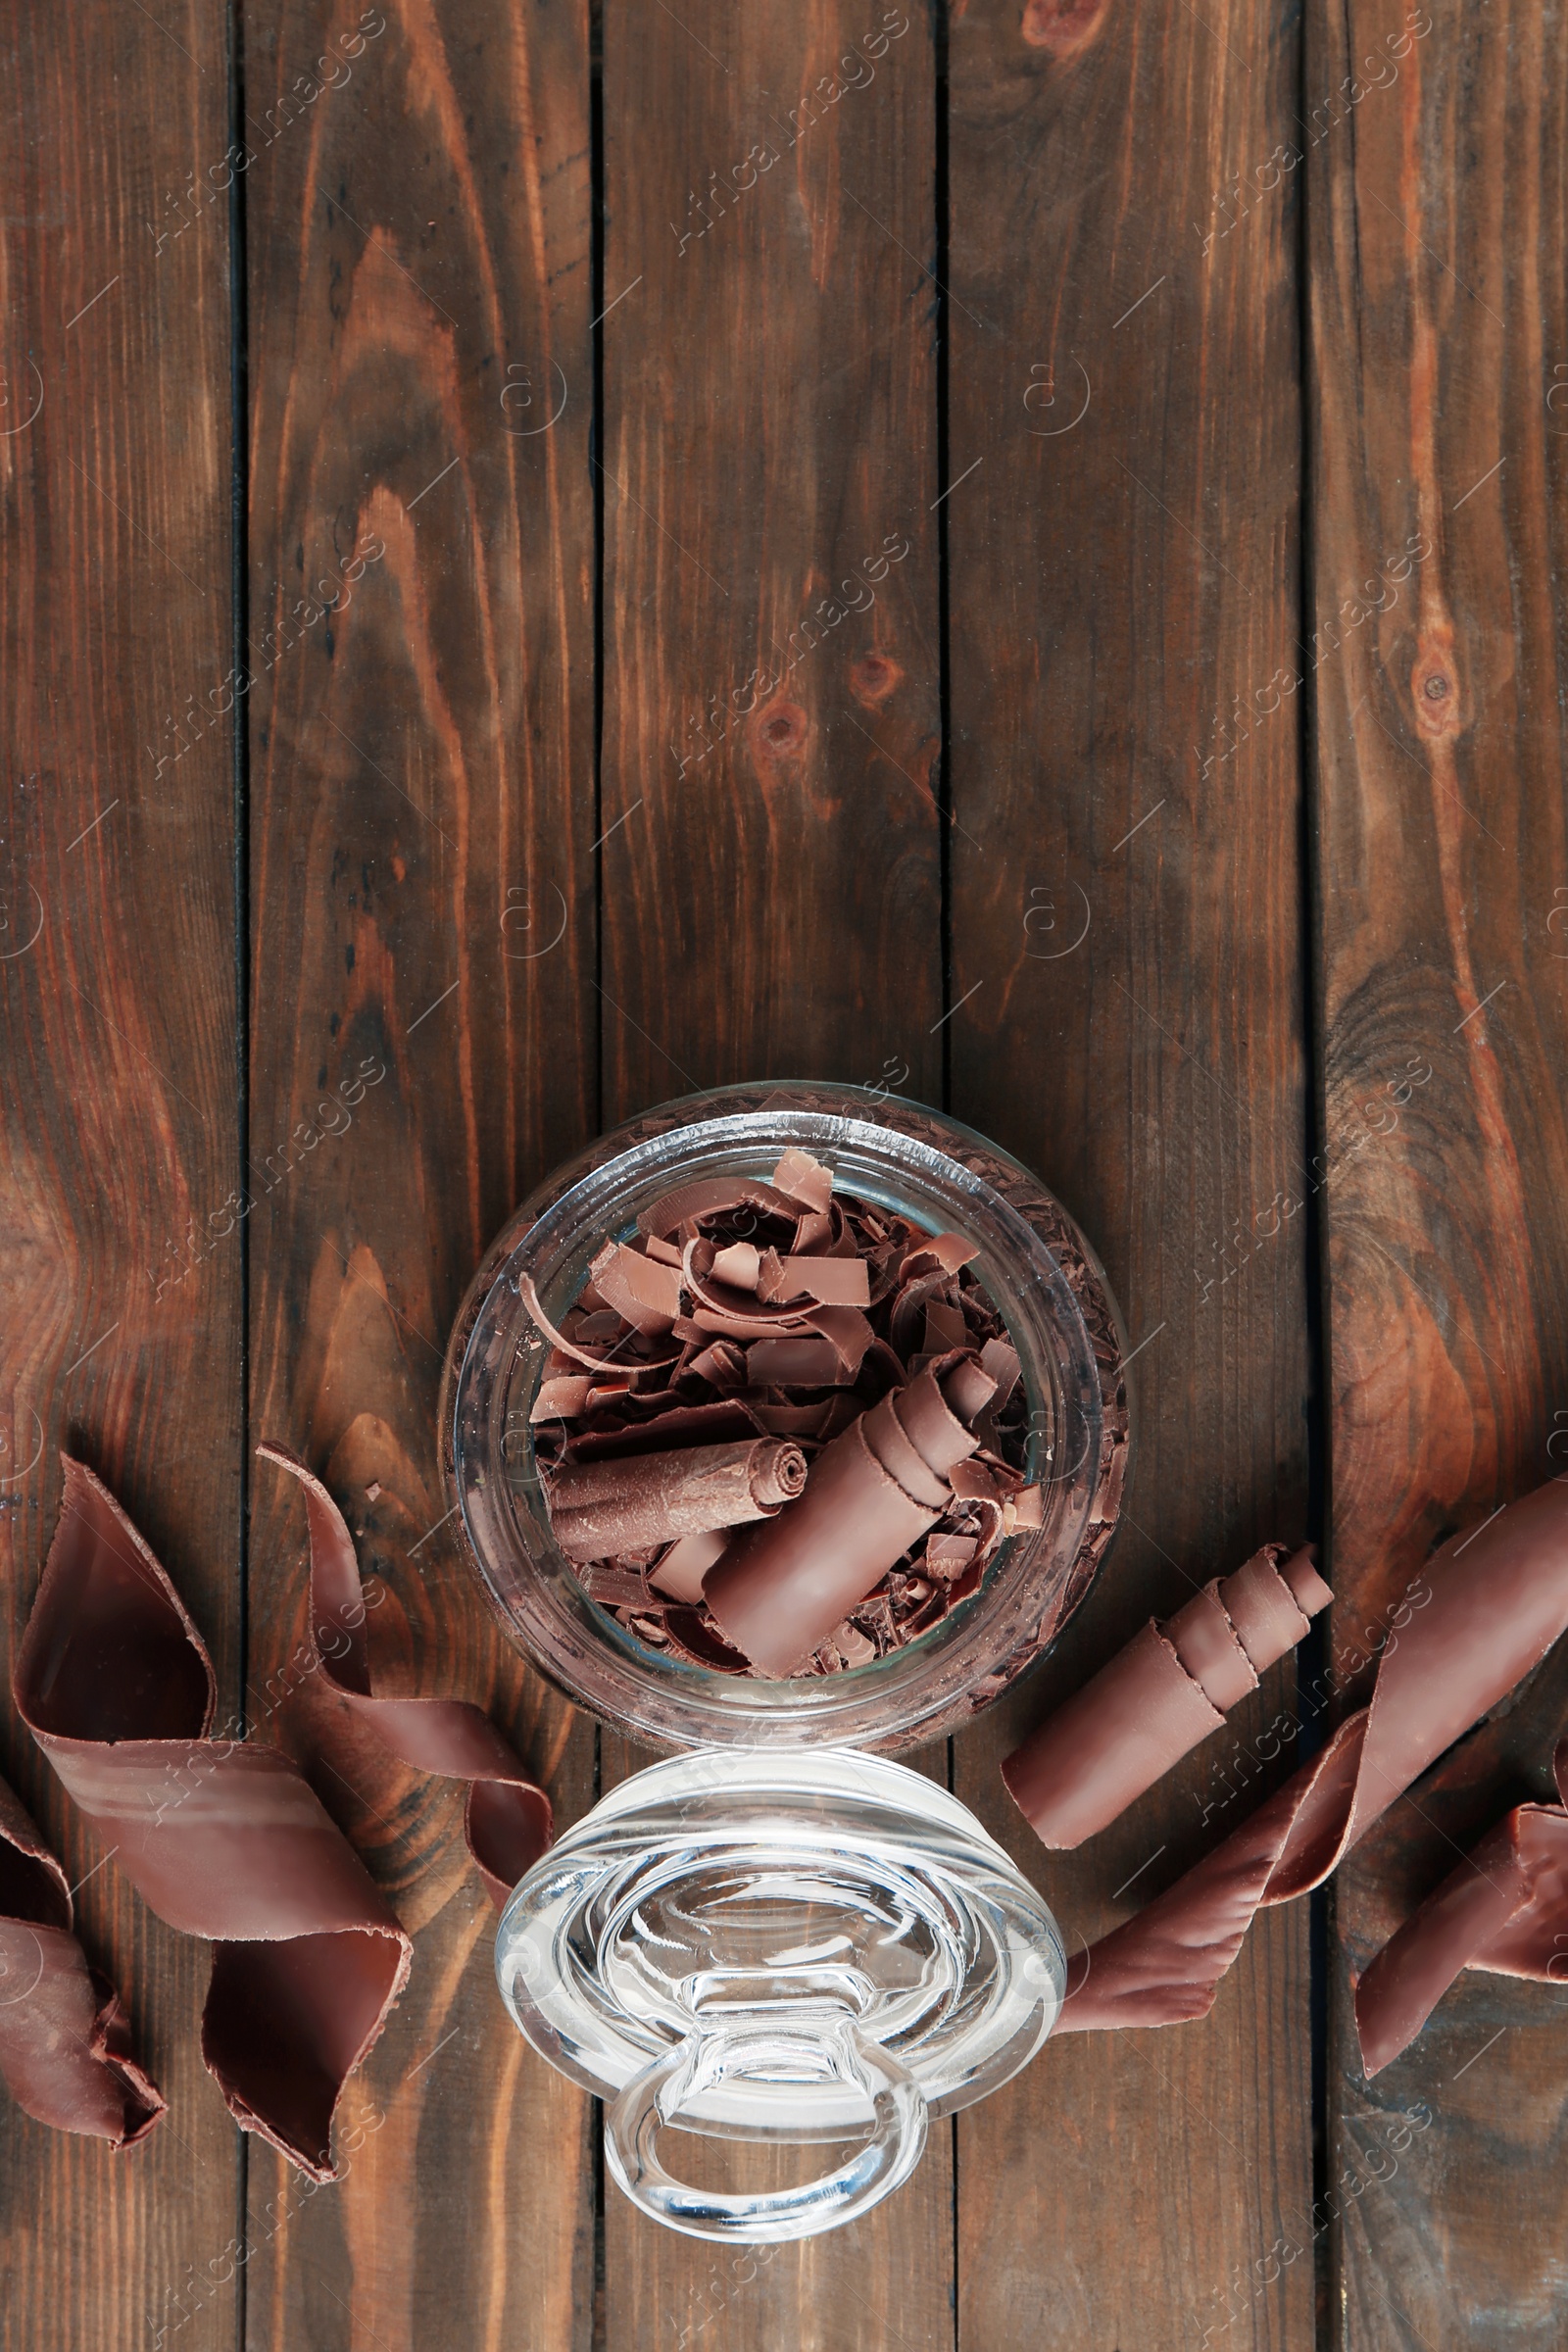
781, 1946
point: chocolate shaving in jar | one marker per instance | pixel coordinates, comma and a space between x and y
781, 1431
602, 1509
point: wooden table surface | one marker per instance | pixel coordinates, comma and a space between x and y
557, 555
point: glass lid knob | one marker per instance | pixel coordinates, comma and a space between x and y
785, 1947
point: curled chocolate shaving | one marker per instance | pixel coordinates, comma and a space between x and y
644, 1291
1161, 1696
779, 1592
65, 2040
612, 1357
691, 1634
745, 1312
780, 1298
714, 1197
722, 1364
1498, 1602
805, 1179
650, 1425
601, 1508
507, 1819
848, 1330
225, 1841
681, 1570
1056, 1584
913, 1308
797, 1360
1503, 1910
827, 1281
561, 1397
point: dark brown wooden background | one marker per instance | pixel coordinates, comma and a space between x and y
1145, 432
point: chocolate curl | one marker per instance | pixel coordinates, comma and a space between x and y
1498, 1602
506, 1821
596, 1359
829, 1281
559, 1397
224, 1840
805, 1179
645, 1292
1503, 1910
782, 1588
601, 1509
722, 1421
711, 1196
1160, 1696
800, 1359
681, 1571
65, 2040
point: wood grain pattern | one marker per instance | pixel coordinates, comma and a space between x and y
770, 892
461, 919
770, 688
119, 1005
422, 926
1126, 976
1438, 327
118, 1296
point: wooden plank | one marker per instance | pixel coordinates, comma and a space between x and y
771, 460
120, 1279
1126, 972
772, 872
1439, 345
422, 566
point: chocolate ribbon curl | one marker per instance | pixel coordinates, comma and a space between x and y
1161, 1695
1504, 1910
628, 1502
781, 1588
65, 2040
1498, 1602
224, 1840
507, 1819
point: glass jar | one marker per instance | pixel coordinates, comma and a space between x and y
1042, 1277
775, 1933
